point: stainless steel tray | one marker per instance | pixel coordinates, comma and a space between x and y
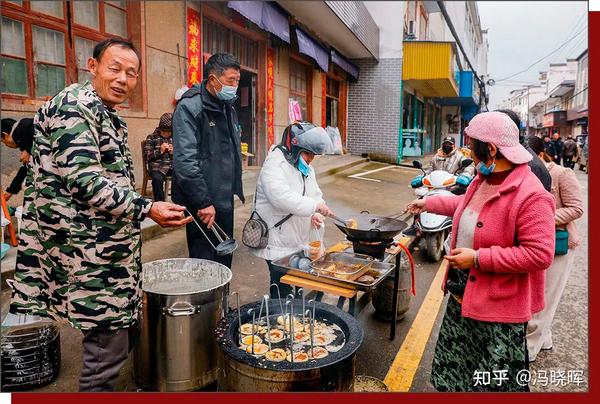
342, 265
384, 269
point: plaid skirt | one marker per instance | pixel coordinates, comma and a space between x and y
473, 355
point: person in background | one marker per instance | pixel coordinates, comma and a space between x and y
18, 135
558, 145
448, 158
569, 208
79, 255
288, 197
207, 156
569, 152
537, 166
502, 243
159, 155
549, 146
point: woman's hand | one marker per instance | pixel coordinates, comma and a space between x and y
462, 258
317, 220
415, 207
323, 209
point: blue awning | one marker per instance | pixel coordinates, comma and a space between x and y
311, 48
266, 15
345, 64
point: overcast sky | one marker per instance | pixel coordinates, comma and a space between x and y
521, 32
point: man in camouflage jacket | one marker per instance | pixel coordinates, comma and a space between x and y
79, 255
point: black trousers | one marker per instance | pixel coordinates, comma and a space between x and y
198, 245
568, 162
275, 278
158, 185
104, 354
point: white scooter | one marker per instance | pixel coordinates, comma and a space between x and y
435, 228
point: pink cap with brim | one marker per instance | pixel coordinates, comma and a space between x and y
498, 129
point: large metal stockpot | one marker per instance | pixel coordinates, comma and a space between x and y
183, 299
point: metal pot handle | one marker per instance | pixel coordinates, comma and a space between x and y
181, 309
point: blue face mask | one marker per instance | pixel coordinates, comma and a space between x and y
227, 93
303, 167
484, 170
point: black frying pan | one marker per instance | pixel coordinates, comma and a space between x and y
373, 228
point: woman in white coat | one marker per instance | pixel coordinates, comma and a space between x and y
287, 188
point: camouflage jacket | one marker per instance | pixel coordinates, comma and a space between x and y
156, 160
79, 255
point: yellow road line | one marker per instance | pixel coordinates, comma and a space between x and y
406, 363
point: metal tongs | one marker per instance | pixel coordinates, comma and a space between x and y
345, 223
226, 245
385, 220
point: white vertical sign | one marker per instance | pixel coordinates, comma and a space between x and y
594, 5
4, 398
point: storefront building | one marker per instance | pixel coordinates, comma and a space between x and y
424, 88
45, 47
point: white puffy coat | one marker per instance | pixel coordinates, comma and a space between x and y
278, 193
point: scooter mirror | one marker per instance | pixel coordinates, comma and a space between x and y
417, 164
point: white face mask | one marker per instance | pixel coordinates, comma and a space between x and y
227, 93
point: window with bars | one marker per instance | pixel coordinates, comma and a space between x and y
37, 58
49, 61
300, 85
217, 38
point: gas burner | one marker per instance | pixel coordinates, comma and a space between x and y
375, 249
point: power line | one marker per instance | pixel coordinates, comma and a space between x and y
568, 50
575, 27
576, 45
545, 57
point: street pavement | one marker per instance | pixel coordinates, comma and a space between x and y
383, 192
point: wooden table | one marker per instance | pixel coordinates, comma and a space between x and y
355, 305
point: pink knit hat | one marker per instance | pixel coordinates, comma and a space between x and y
498, 129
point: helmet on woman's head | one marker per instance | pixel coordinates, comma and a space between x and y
304, 136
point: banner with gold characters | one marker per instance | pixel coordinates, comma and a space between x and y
270, 96
193, 47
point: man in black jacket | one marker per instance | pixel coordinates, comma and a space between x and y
569, 152
536, 165
18, 135
558, 147
207, 168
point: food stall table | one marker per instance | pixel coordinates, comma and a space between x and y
356, 305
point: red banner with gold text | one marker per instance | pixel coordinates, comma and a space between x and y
270, 96
193, 47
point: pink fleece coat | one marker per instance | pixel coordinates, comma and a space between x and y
515, 238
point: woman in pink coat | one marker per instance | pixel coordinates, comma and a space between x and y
502, 243
569, 208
